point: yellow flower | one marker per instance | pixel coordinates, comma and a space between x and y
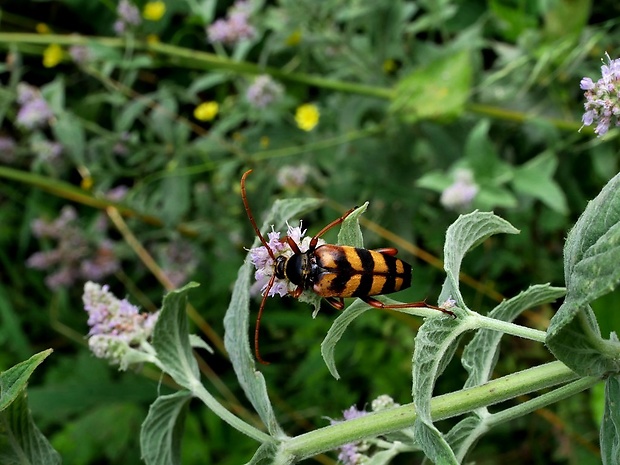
154, 11
389, 66
42, 28
307, 116
206, 111
264, 142
294, 38
52, 55
87, 183
152, 39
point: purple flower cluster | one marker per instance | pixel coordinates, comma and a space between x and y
353, 452
75, 256
34, 111
128, 16
357, 453
263, 92
603, 98
293, 177
459, 195
47, 151
235, 27
7, 149
116, 326
80, 54
264, 264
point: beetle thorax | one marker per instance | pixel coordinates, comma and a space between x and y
297, 269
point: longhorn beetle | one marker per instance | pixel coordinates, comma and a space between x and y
333, 271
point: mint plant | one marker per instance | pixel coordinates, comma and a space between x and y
584, 356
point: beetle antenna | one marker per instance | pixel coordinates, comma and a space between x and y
246, 204
258, 317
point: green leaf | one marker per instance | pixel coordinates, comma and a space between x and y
435, 344
432, 442
436, 181
350, 232
162, 430
464, 234
591, 255
480, 155
490, 197
337, 329
264, 454
69, 131
198, 343
21, 442
610, 427
438, 90
177, 199
463, 435
14, 380
129, 114
600, 217
385, 456
171, 339
535, 179
236, 321
480, 355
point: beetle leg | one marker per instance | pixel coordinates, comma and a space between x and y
336, 222
336, 302
377, 304
387, 251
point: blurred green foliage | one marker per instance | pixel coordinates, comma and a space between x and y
408, 94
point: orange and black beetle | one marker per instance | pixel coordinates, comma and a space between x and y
334, 271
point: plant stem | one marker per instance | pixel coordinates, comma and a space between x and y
510, 328
444, 406
211, 402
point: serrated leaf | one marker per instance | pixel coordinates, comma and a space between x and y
171, 339
464, 234
480, 355
435, 344
237, 321
578, 343
599, 217
337, 329
14, 380
162, 430
435, 447
21, 442
591, 254
437, 90
610, 426
350, 232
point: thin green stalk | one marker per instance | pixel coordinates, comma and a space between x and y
199, 391
541, 401
444, 406
196, 60
510, 328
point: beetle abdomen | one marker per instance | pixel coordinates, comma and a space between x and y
343, 271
